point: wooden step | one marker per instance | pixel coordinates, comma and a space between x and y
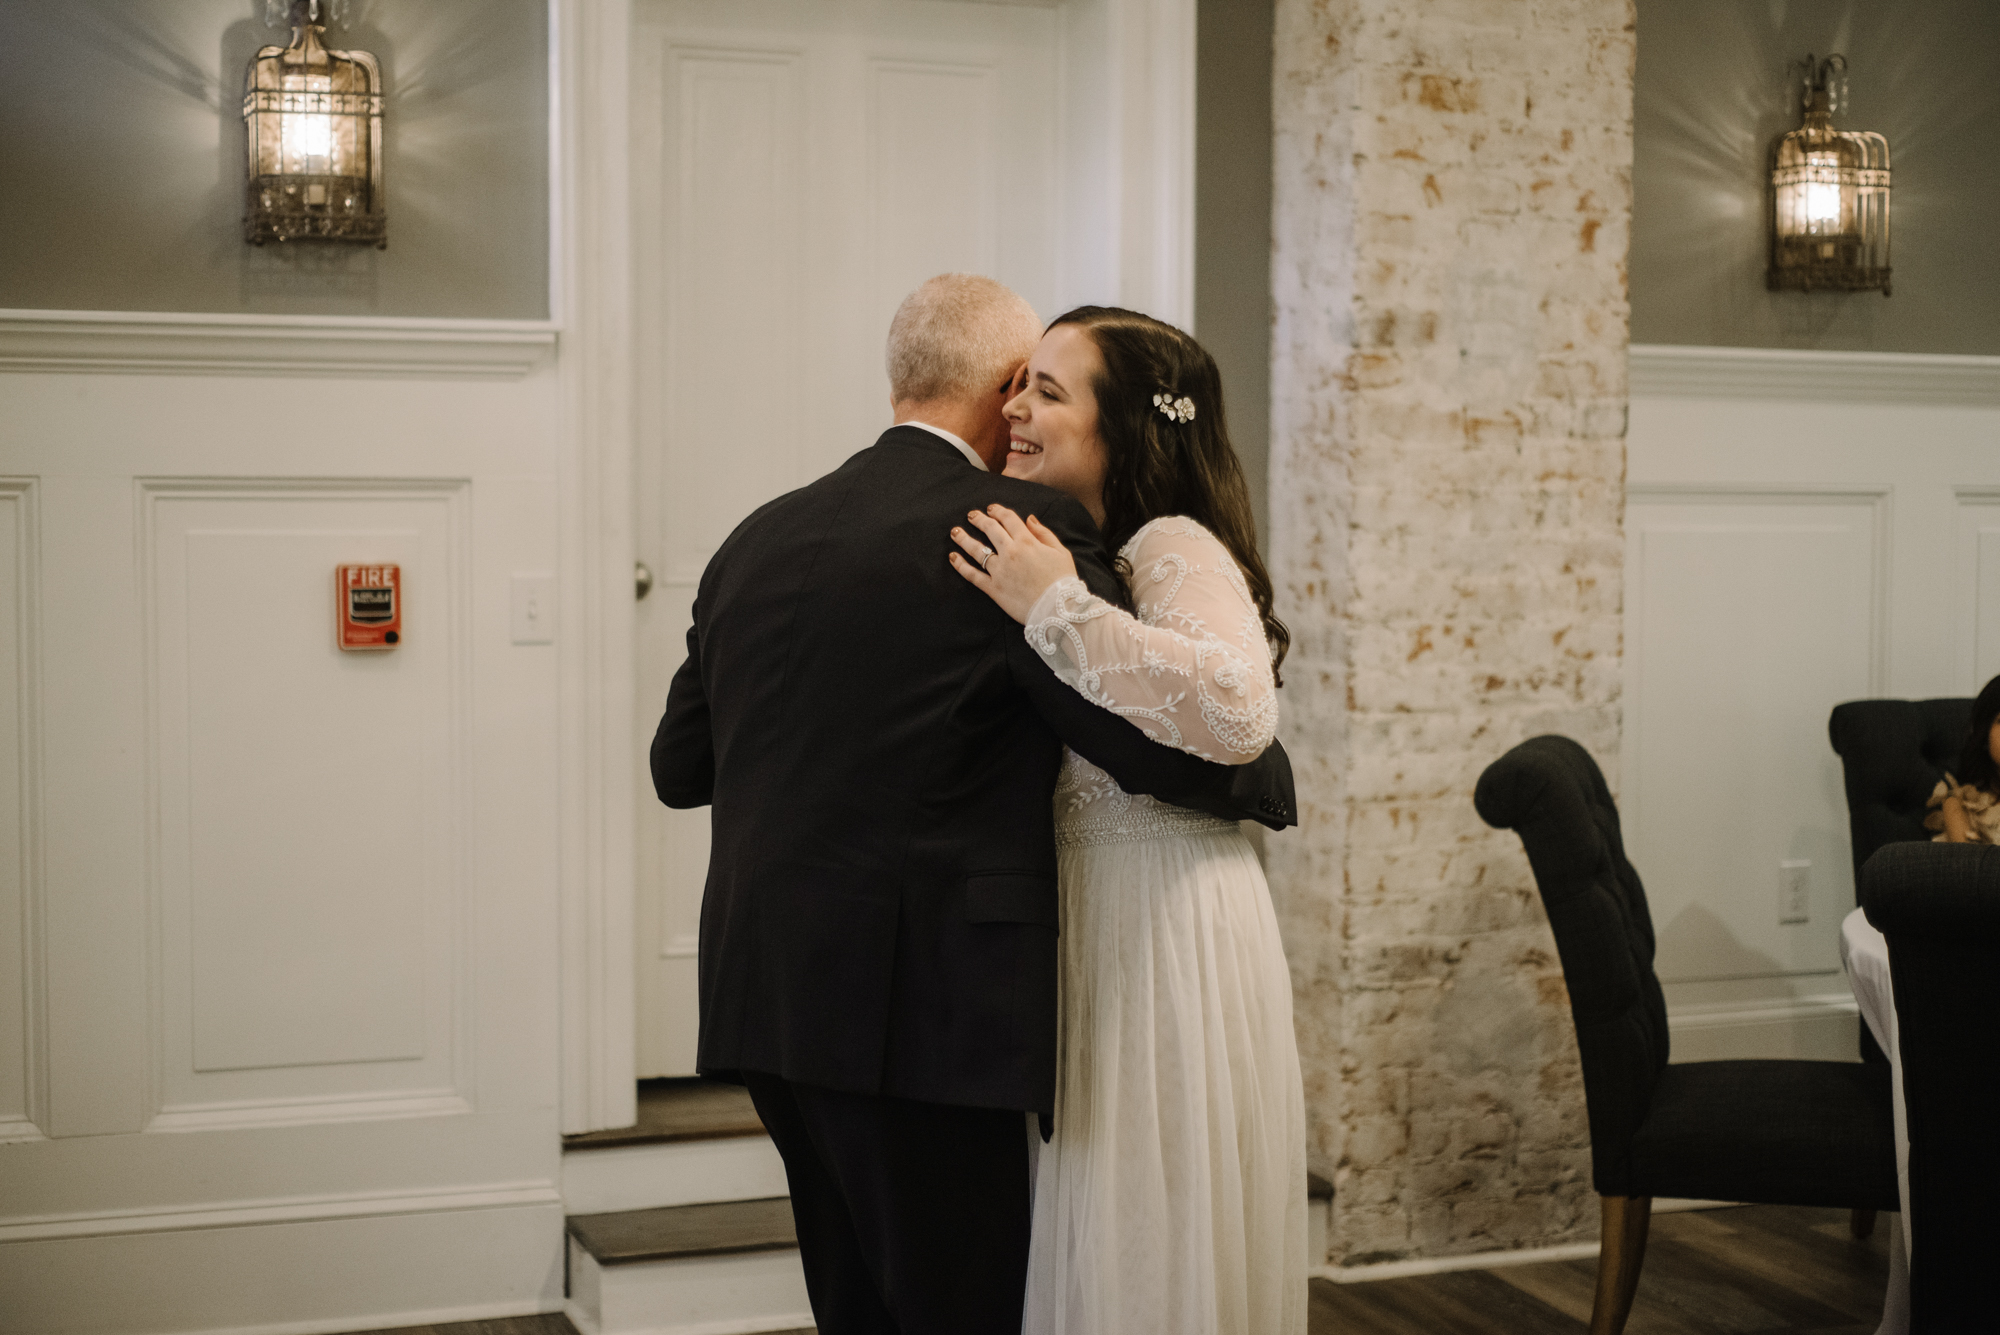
627, 1236
696, 1141
731, 1266
679, 1110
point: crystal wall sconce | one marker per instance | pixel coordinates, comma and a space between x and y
1829, 196
314, 122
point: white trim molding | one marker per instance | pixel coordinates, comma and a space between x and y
30, 967
162, 343
1777, 1010
279, 1210
1154, 41
591, 105
1937, 379
1439, 1265
292, 1112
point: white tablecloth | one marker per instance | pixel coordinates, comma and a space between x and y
1864, 953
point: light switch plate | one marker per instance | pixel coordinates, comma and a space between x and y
534, 609
1794, 891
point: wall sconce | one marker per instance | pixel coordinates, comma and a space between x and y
314, 121
1829, 197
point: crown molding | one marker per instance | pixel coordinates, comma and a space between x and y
163, 343
1933, 379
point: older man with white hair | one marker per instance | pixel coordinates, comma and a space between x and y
880, 748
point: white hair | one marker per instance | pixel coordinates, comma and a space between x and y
958, 334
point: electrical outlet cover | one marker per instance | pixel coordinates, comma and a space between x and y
1794, 891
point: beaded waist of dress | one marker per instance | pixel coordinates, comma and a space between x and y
1092, 809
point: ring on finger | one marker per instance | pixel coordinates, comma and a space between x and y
990, 554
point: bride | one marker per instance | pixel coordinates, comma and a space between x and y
1171, 1199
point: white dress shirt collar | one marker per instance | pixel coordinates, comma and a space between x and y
963, 448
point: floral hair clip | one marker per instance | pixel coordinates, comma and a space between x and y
1176, 410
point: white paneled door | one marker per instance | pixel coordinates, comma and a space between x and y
799, 166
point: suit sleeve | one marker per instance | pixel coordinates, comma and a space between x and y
683, 754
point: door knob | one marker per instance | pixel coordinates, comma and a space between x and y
642, 579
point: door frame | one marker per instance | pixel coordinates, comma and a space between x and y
1141, 79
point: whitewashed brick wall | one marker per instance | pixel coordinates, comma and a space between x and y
1451, 211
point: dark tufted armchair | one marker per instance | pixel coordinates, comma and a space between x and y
1939, 906
1774, 1132
1892, 754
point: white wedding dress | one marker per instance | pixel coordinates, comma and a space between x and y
1172, 1198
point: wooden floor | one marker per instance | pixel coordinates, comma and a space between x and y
1750, 1270
553, 1324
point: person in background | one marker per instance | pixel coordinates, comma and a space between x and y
1965, 808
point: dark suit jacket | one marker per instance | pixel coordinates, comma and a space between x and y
880, 747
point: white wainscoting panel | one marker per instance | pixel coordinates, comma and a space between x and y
22, 1047
1979, 582
1744, 611
1805, 529
309, 866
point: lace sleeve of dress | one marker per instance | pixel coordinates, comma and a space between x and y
1192, 669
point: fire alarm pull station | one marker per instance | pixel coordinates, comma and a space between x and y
369, 608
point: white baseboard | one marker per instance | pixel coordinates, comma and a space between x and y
436, 1316
1821, 1027
756, 1325
288, 1277
1439, 1265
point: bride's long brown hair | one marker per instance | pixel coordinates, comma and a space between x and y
1159, 465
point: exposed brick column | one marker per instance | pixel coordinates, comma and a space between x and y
1452, 205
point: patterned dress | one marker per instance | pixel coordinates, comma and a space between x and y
1982, 811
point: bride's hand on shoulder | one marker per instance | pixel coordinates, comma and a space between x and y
1016, 563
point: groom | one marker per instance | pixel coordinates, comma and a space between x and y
880, 746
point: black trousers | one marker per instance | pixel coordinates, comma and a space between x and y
912, 1217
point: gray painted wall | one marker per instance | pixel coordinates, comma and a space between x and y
121, 161
1232, 221
1711, 96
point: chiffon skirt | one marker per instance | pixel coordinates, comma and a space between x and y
1171, 1199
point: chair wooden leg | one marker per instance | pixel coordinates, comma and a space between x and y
1620, 1254
1861, 1223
